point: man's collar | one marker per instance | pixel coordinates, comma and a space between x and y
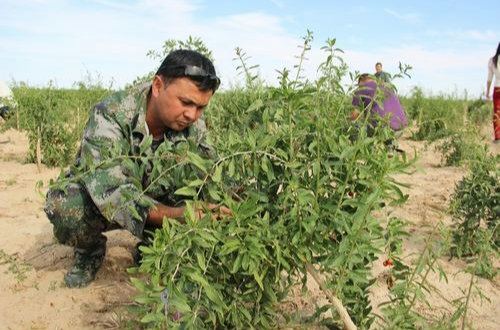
141, 125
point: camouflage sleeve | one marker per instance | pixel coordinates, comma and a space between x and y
116, 192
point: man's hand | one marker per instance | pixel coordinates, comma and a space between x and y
218, 212
156, 214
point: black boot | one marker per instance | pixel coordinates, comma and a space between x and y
87, 262
137, 254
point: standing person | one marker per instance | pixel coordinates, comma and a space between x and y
7, 103
168, 109
494, 70
380, 74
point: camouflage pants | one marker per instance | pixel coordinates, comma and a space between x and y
77, 221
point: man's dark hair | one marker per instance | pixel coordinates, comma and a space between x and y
363, 77
378, 63
190, 64
495, 58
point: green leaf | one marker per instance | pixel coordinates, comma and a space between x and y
264, 165
146, 144
197, 161
186, 191
258, 279
196, 183
229, 246
294, 164
231, 168
153, 317
180, 304
215, 296
236, 265
135, 213
189, 213
212, 294
217, 174
212, 192
138, 283
245, 312
316, 167
255, 105
197, 278
201, 260
146, 300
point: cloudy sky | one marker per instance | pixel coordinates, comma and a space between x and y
448, 42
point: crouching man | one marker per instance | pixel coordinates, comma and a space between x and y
168, 109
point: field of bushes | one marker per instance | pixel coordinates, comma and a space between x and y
306, 200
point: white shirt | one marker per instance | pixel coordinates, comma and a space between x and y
6, 95
494, 71
5, 90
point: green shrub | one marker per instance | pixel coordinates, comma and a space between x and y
435, 117
475, 207
54, 119
302, 194
462, 147
479, 112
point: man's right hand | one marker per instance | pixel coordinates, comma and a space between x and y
156, 214
218, 212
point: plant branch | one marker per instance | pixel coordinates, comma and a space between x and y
344, 315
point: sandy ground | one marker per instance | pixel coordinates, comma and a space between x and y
32, 264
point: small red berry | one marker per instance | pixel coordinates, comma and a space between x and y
388, 263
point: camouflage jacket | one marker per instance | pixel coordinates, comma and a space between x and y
383, 76
118, 123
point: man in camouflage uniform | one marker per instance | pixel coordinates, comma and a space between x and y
91, 201
380, 74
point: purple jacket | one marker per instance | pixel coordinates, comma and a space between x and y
391, 107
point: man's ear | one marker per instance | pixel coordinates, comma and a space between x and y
157, 85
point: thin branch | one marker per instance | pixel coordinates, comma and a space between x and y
344, 315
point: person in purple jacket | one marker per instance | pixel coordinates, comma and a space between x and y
380, 103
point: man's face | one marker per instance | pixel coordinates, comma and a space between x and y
180, 104
378, 67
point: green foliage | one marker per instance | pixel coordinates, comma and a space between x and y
251, 79
54, 119
411, 286
462, 147
475, 207
479, 112
300, 193
191, 43
414, 106
435, 117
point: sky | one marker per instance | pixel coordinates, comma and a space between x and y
447, 42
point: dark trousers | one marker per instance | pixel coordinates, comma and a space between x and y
77, 221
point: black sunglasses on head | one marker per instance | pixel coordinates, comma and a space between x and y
200, 75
